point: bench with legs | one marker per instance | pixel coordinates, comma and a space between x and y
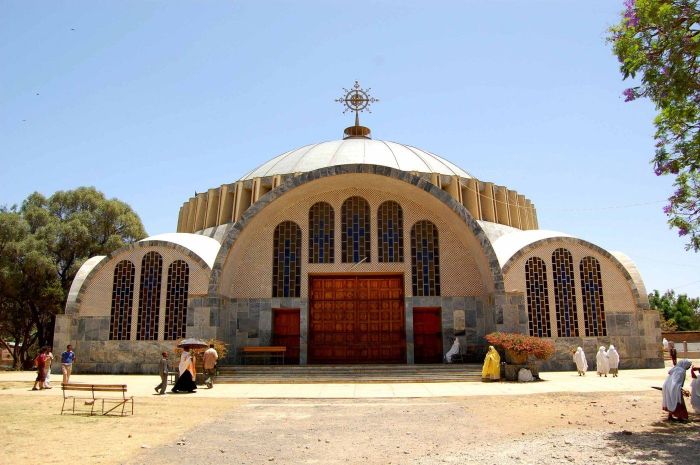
86, 393
263, 352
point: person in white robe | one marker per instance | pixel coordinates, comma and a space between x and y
673, 392
580, 361
186, 381
601, 360
613, 360
695, 389
454, 350
665, 343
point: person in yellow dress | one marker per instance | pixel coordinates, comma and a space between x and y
492, 366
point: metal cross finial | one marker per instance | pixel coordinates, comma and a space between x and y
357, 100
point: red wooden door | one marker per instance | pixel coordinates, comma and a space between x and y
356, 319
427, 335
286, 332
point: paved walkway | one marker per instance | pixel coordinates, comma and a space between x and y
19, 383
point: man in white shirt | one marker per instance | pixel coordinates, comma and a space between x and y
210, 358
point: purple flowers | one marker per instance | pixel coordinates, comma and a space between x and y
682, 231
668, 209
629, 94
630, 15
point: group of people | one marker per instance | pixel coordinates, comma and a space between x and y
607, 361
673, 392
43, 362
187, 371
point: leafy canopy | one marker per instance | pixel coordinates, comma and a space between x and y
657, 43
679, 311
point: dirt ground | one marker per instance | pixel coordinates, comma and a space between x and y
553, 428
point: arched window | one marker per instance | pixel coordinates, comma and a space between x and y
122, 301
425, 259
321, 233
355, 234
390, 232
149, 297
537, 297
176, 300
564, 293
592, 296
286, 260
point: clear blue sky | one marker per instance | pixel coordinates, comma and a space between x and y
152, 100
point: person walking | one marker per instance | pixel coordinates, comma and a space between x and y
163, 372
188, 374
40, 364
673, 392
210, 358
613, 360
672, 352
601, 361
49, 362
581, 362
491, 371
67, 359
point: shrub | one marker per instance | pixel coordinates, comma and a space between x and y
539, 348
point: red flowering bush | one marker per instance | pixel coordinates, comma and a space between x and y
541, 349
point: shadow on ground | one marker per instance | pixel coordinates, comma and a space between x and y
666, 442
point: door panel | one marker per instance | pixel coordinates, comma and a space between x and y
286, 332
427, 335
356, 319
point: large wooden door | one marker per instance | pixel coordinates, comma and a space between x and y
356, 319
286, 332
427, 335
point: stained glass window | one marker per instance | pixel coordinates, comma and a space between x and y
355, 234
564, 293
122, 301
321, 233
149, 297
537, 297
592, 296
425, 259
390, 232
286, 260
176, 300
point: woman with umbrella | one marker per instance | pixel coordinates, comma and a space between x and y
188, 374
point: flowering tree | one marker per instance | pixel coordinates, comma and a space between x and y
657, 41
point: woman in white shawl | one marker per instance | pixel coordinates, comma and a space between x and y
613, 360
695, 389
185, 382
673, 392
454, 350
601, 361
580, 361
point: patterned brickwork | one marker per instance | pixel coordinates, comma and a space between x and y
149, 297
246, 272
176, 300
390, 232
425, 259
286, 260
321, 233
122, 301
537, 297
564, 293
355, 230
592, 297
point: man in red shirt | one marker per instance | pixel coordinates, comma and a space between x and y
40, 364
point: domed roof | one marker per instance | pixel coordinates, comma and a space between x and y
356, 151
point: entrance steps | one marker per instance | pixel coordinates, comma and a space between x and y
296, 374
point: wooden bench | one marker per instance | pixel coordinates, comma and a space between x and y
268, 352
87, 394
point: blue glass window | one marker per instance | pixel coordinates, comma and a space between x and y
425, 259
122, 301
286, 260
390, 232
564, 293
321, 233
149, 297
592, 296
355, 232
537, 297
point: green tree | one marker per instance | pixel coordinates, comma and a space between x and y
42, 246
678, 310
657, 43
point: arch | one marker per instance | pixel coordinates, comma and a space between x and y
592, 297
564, 293
286, 260
355, 236
321, 233
122, 301
537, 297
176, 300
291, 183
390, 232
425, 259
149, 297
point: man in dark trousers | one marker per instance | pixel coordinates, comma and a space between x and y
163, 371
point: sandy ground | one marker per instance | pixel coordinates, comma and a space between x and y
565, 419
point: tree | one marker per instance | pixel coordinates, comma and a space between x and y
680, 311
42, 246
658, 41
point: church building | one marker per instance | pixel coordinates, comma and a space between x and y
356, 251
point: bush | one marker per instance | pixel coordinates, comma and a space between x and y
541, 349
